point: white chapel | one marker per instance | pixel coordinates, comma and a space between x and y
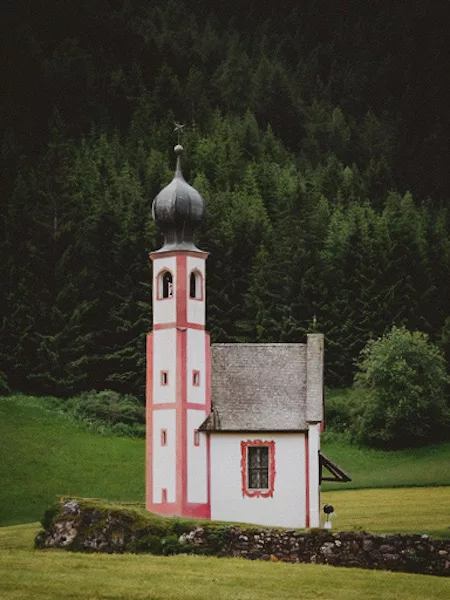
233, 430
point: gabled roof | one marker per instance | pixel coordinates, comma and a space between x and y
258, 387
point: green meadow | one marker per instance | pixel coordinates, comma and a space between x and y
46, 454
27, 573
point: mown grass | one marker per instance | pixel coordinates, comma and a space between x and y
26, 573
402, 510
44, 454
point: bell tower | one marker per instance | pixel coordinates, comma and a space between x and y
178, 360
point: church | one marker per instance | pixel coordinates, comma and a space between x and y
233, 430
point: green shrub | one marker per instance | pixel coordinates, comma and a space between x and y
109, 412
405, 378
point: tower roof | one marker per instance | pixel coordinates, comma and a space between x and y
178, 210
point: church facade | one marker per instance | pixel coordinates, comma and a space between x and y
233, 430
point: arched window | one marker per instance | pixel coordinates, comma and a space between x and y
165, 285
196, 285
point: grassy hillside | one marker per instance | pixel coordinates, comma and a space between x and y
25, 574
44, 454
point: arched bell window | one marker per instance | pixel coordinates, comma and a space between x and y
164, 285
196, 285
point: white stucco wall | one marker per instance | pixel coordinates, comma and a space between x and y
164, 359
196, 308
197, 481
164, 457
196, 361
314, 490
287, 506
164, 311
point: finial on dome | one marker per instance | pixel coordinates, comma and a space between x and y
178, 208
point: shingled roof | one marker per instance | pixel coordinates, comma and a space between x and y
262, 387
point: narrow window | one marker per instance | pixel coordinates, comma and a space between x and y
196, 285
164, 285
167, 285
258, 467
163, 495
163, 437
164, 377
196, 378
196, 437
192, 285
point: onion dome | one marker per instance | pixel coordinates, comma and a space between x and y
178, 210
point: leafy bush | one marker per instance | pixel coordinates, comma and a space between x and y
405, 377
115, 413
341, 407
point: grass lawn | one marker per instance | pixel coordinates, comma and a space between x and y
35, 574
44, 454
401, 510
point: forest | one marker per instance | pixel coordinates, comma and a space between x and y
317, 133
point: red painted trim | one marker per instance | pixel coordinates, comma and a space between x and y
199, 254
250, 492
307, 513
208, 410
149, 420
196, 378
156, 284
199, 511
199, 281
164, 377
163, 437
172, 325
182, 291
196, 437
180, 479
173, 405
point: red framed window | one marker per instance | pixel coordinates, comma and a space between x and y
258, 468
196, 378
163, 437
164, 377
196, 437
164, 285
196, 285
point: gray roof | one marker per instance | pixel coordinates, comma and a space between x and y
258, 387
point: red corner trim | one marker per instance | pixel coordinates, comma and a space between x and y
307, 512
149, 440
181, 291
196, 254
172, 325
252, 493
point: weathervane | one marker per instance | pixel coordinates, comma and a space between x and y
178, 129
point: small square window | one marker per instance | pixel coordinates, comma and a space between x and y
196, 437
196, 378
163, 437
164, 377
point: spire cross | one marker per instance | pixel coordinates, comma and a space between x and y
178, 129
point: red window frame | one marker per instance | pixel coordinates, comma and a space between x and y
196, 378
160, 274
198, 282
253, 492
164, 378
196, 437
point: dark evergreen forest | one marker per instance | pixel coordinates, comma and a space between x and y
317, 131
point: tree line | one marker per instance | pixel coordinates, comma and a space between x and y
324, 210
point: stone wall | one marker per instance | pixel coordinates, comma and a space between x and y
84, 527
